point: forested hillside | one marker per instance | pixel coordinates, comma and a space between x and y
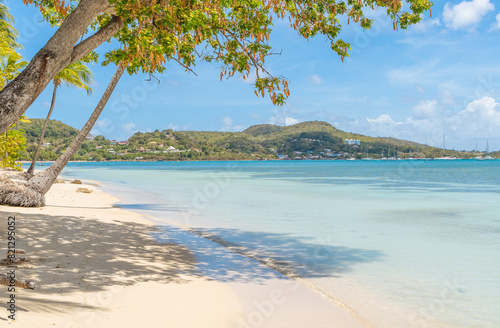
308, 140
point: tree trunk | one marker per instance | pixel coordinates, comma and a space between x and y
42, 181
60, 51
33, 162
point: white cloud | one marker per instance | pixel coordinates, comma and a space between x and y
291, 121
101, 124
315, 79
425, 109
479, 121
228, 125
480, 116
129, 127
227, 121
496, 26
466, 14
447, 98
173, 127
282, 119
425, 25
101, 127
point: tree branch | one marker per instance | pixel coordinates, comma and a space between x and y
93, 41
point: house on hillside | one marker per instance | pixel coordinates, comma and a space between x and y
352, 142
123, 143
114, 142
46, 144
89, 137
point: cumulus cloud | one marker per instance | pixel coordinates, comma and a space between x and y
228, 125
466, 14
129, 128
496, 26
315, 79
102, 126
479, 121
227, 121
283, 119
425, 109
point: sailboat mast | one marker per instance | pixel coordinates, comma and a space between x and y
444, 144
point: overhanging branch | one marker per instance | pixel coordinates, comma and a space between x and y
93, 41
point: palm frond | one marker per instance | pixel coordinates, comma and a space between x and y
76, 75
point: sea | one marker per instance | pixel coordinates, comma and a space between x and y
405, 243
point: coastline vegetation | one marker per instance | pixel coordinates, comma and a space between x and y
307, 140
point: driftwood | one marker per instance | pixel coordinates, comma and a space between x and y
6, 280
16, 261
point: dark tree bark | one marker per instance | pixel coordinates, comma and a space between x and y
60, 51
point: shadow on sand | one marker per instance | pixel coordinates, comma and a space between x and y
88, 255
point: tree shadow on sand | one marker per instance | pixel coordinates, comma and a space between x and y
87, 255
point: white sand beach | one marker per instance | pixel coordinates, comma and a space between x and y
101, 266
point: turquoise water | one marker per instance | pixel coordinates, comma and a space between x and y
402, 244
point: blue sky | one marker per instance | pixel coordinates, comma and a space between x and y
439, 77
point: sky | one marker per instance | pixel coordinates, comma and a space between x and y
439, 78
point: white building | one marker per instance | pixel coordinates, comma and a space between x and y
352, 142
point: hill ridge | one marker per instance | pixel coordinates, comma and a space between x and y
311, 139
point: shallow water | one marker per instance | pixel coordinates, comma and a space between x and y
403, 244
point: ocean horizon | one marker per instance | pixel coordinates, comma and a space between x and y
400, 243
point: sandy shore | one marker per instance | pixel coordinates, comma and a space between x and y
101, 266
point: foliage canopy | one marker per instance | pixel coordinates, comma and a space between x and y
233, 33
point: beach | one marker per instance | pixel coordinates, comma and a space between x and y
98, 265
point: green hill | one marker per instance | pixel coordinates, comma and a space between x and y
57, 138
303, 140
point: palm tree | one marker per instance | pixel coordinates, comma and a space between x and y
11, 63
75, 75
41, 182
8, 34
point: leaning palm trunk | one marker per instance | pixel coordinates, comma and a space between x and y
42, 181
40, 143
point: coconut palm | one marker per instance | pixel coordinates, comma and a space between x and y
39, 184
8, 33
75, 75
10, 60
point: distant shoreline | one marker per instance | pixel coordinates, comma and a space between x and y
275, 160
